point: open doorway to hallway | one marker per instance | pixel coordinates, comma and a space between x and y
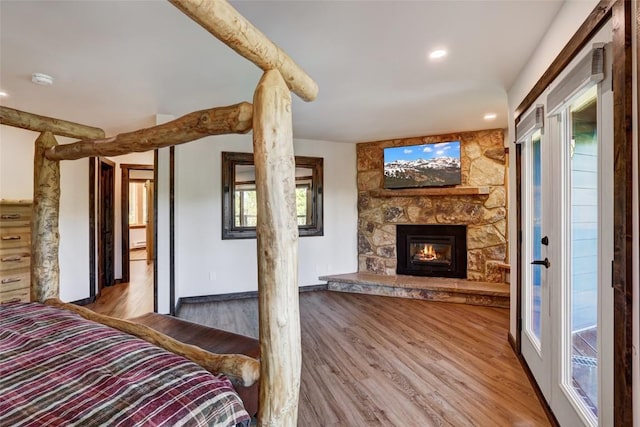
131, 292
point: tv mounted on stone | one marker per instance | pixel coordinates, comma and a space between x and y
424, 165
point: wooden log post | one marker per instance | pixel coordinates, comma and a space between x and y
45, 270
37, 123
230, 27
214, 121
277, 231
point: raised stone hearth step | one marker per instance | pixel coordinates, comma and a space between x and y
426, 288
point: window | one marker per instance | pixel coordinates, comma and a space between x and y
137, 203
239, 207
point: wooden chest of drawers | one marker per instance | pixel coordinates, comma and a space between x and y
15, 250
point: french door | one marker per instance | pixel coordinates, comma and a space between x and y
567, 246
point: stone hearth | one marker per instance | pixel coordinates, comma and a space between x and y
426, 288
479, 202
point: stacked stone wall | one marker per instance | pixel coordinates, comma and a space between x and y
483, 165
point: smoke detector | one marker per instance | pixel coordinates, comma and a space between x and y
42, 79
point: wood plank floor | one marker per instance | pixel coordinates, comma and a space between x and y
380, 361
131, 299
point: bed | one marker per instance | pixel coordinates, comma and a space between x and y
57, 368
270, 119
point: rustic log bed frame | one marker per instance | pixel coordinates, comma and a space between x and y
270, 119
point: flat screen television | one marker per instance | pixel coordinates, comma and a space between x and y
425, 165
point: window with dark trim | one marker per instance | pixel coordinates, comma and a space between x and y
239, 204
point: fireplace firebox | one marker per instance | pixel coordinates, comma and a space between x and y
432, 250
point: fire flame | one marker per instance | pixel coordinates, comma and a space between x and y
427, 253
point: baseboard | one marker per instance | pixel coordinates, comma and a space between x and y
512, 342
237, 295
85, 301
525, 366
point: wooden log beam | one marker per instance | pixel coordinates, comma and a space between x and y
277, 231
220, 19
37, 123
45, 270
215, 121
239, 368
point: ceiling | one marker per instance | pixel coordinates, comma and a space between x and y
118, 63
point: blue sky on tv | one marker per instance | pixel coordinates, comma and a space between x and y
423, 151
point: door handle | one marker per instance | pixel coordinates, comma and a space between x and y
544, 262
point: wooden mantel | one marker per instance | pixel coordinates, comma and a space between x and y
432, 191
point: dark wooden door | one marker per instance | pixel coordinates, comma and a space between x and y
106, 210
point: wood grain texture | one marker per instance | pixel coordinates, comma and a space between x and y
379, 361
130, 299
45, 239
239, 368
225, 23
277, 235
214, 121
622, 215
445, 191
37, 123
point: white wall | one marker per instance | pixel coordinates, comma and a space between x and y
569, 18
16, 182
207, 265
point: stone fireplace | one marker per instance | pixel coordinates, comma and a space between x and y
432, 250
479, 203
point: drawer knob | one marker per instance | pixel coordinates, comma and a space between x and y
11, 237
10, 280
12, 300
14, 258
11, 216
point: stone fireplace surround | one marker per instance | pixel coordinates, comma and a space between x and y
479, 202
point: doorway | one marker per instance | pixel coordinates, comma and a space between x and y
137, 214
566, 248
105, 224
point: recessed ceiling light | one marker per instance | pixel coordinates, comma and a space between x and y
3, 93
42, 79
438, 54
490, 116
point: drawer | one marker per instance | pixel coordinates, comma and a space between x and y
12, 280
18, 237
12, 259
19, 295
15, 215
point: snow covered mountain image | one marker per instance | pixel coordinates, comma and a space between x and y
427, 165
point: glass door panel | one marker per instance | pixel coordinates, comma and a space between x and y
534, 272
580, 337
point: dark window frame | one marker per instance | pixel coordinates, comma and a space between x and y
231, 231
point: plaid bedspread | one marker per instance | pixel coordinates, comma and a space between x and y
57, 368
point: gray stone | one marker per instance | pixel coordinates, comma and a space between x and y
387, 251
393, 214
363, 201
375, 265
382, 238
364, 247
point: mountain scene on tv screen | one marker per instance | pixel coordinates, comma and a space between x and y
427, 165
